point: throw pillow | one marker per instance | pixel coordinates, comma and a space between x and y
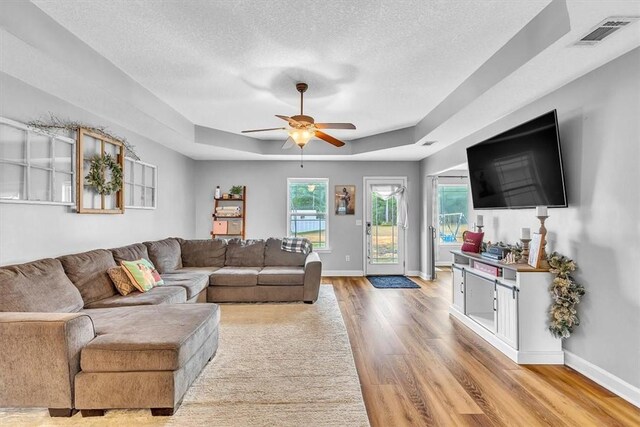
121, 280
154, 271
472, 242
139, 274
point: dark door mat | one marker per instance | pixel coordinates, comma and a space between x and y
392, 282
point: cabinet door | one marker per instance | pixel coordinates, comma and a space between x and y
458, 288
507, 314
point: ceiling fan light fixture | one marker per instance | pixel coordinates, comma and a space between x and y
301, 136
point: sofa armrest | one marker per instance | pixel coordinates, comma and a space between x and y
40, 356
312, 277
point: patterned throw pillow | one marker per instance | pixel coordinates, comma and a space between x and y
139, 274
154, 272
121, 280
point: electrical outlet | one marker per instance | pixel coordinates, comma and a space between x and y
347, 258
359, 222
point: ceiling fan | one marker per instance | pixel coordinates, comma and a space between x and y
302, 128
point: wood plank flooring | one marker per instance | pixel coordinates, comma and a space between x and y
419, 366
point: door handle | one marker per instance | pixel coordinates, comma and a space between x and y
368, 230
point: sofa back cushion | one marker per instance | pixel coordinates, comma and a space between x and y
88, 272
245, 253
130, 253
38, 286
165, 254
274, 256
203, 253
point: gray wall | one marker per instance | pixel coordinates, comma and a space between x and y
267, 201
599, 129
28, 232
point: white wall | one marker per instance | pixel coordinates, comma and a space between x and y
29, 232
599, 119
267, 201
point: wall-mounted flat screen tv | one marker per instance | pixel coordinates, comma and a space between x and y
519, 168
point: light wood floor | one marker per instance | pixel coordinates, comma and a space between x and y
419, 366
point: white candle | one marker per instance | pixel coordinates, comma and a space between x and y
480, 220
541, 211
525, 233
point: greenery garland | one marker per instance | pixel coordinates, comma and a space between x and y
96, 177
566, 294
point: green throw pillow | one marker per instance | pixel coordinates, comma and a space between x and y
140, 274
154, 271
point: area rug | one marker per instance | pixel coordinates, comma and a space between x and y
277, 364
392, 282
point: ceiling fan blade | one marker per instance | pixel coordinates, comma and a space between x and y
335, 126
292, 123
261, 130
331, 140
288, 143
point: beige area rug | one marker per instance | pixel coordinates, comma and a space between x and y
277, 365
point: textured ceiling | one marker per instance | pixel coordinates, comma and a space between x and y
232, 65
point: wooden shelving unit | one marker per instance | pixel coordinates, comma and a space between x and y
243, 215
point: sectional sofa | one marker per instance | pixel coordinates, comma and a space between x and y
70, 341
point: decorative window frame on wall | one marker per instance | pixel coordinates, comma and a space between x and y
50, 166
133, 180
112, 204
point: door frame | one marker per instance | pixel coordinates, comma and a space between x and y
364, 221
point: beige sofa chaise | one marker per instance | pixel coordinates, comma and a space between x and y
71, 342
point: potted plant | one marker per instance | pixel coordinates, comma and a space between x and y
236, 191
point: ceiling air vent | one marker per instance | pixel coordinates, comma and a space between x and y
605, 29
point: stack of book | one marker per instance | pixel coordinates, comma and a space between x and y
228, 211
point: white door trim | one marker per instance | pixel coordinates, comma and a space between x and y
364, 220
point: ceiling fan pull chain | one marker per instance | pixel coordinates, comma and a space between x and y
301, 158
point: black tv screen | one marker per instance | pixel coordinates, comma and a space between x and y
519, 168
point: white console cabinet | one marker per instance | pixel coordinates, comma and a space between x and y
510, 310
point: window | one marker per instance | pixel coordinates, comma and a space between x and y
307, 207
140, 184
35, 167
453, 209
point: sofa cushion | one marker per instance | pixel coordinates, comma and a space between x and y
165, 254
235, 276
38, 286
200, 270
281, 276
130, 253
203, 253
245, 253
149, 338
275, 256
155, 296
88, 271
193, 283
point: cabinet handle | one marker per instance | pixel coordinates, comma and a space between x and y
495, 304
461, 288
513, 292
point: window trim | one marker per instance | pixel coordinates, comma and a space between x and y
143, 185
51, 170
327, 247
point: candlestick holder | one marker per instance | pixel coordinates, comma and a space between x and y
525, 251
543, 253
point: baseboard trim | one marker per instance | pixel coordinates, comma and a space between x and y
627, 391
348, 273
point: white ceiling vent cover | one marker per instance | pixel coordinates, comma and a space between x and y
605, 29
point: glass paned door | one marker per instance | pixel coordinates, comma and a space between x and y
384, 237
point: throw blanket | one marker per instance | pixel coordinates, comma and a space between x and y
296, 244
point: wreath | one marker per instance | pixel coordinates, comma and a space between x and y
566, 295
96, 176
